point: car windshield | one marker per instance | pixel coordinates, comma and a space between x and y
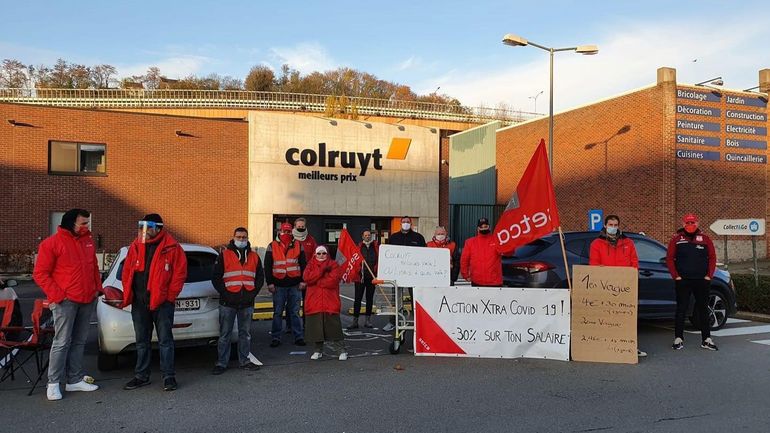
200, 266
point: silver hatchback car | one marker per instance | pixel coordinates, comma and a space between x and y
196, 319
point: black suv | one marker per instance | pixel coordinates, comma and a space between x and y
540, 264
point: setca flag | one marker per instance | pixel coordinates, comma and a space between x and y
531, 213
349, 257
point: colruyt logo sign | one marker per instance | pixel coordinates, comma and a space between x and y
324, 156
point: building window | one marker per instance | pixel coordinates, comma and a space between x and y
77, 158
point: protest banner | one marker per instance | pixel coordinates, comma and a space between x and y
492, 322
414, 266
604, 311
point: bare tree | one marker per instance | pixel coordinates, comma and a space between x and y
13, 74
101, 76
151, 79
80, 76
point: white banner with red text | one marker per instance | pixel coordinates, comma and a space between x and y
492, 322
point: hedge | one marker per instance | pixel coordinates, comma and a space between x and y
751, 298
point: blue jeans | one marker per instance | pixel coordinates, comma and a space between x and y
287, 298
71, 321
226, 317
163, 321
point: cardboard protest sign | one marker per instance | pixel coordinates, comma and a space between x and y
492, 322
604, 312
414, 266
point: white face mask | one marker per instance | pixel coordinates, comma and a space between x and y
406, 226
240, 244
441, 238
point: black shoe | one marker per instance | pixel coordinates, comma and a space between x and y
708, 344
169, 384
136, 383
218, 370
249, 367
299, 342
275, 343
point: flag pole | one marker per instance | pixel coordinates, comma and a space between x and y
564, 255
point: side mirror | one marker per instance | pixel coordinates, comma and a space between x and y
11, 283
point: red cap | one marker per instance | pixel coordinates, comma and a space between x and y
690, 218
286, 226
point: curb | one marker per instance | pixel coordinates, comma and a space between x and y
757, 317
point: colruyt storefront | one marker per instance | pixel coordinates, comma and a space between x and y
339, 173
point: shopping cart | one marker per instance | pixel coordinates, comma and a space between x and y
391, 301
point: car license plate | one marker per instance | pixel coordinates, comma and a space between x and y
188, 304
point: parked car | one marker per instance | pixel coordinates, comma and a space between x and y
196, 319
541, 264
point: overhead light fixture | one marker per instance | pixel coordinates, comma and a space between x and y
179, 133
17, 123
713, 81
751, 89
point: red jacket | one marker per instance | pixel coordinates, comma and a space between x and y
66, 268
308, 246
323, 287
168, 271
480, 262
603, 253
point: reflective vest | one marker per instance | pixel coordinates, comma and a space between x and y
239, 275
286, 265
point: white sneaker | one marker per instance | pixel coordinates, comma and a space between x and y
53, 392
80, 386
389, 327
344, 356
316, 355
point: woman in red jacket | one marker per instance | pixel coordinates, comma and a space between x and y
322, 303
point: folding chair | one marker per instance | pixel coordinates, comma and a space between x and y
38, 344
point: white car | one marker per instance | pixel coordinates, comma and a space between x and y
196, 319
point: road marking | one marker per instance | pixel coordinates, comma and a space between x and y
765, 342
731, 320
746, 330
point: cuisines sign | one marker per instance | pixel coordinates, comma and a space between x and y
323, 157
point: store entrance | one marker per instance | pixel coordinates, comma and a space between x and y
326, 229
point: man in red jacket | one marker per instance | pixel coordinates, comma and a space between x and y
692, 261
67, 271
480, 262
613, 248
154, 273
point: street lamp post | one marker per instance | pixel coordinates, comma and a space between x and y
535, 98
518, 41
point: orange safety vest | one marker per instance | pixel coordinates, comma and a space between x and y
239, 275
286, 265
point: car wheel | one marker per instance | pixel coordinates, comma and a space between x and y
106, 361
717, 311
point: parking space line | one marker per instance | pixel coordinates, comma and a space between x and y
765, 342
745, 330
732, 320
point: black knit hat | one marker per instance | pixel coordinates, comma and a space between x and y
153, 217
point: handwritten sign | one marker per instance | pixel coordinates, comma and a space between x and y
604, 310
414, 266
492, 322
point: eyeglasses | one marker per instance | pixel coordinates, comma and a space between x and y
690, 222
149, 224
320, 254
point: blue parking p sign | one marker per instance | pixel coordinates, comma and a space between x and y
595, 220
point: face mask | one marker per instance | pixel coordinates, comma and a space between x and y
612, 231
301, 229
440, 238
406, 226
484, 232
691, 228
240, 244
285, 238
83, 230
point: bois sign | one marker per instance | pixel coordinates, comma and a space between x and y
742, 227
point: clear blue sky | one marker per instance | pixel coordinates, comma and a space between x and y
424, 44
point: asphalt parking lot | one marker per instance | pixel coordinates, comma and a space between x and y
374, 391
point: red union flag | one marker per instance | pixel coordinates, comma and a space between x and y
531, 213
349, 257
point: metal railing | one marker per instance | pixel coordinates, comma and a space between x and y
168, 98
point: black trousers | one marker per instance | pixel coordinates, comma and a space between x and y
700, 289
368, 287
